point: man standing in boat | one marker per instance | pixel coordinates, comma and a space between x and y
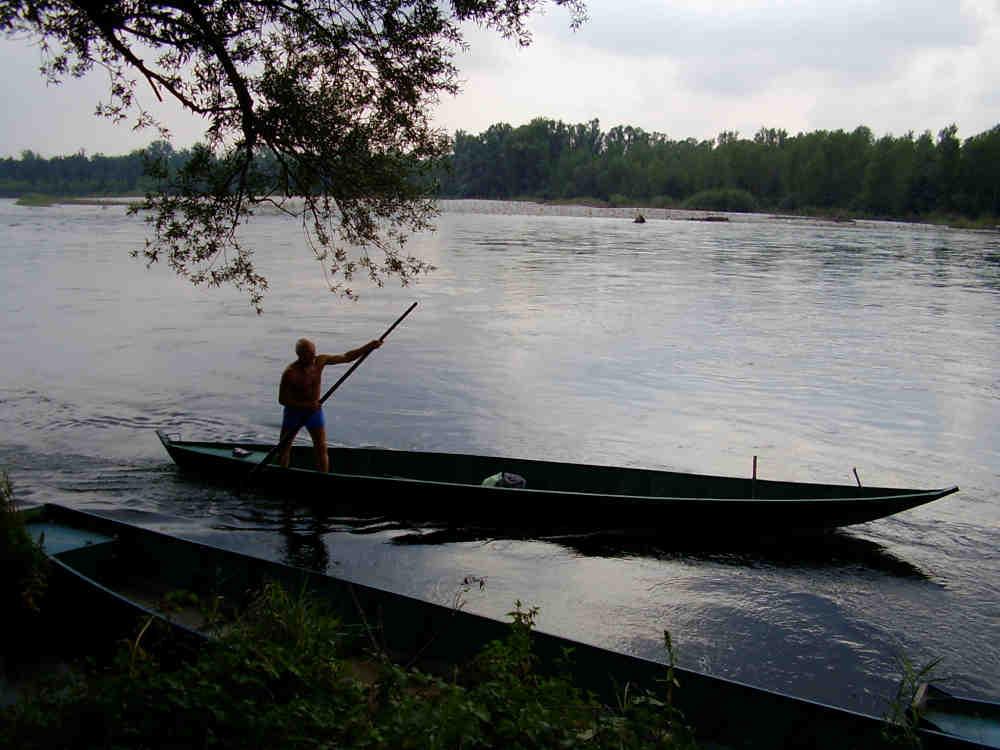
299, 394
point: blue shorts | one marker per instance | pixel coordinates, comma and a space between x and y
295, 418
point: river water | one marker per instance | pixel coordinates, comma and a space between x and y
566, 334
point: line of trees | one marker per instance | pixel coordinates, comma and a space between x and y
904, 176
834, 170
81, 174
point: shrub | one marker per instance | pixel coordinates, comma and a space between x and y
722, 199
790, 202
287, 674
23, 563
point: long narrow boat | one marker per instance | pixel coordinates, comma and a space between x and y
449, 487
108, 575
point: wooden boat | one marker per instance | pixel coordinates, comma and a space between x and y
448, 487
108, 575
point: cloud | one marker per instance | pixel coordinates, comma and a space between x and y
738, 47
692, 69
59, 119
688, 68
935, 88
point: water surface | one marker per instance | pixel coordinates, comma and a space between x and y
568, 335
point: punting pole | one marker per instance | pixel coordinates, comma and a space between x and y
856, 477
753, 482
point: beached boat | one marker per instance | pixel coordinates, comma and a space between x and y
109, 576
449, 487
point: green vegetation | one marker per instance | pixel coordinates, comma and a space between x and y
903, 716
722, 199
33, 177
287, 674
24, 566
826, 172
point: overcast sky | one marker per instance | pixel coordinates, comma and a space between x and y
687, 68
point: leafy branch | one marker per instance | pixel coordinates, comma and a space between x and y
317, 107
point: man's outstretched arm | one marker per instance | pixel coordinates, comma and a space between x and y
338, 359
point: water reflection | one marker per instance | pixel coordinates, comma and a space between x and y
305, 529
837, 549
304, 526
305, 545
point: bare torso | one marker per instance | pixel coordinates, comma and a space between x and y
300, 385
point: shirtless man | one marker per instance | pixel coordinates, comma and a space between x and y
299, 394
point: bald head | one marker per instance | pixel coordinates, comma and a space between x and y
305, 350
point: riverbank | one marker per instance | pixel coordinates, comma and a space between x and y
839, 216
288, 674
285, 673
595, 207
37, 200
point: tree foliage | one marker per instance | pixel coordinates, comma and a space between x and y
81, 174
832, 171
317, 107
904, 176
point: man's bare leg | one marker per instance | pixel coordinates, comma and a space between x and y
285, 456
318, 435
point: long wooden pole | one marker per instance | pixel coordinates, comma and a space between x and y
357, 363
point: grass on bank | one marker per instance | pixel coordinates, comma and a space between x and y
904, 715
288, 674
23, 565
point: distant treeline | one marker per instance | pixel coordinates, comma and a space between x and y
904, 176
80, 174
828, 171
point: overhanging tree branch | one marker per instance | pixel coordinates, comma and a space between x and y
320, 100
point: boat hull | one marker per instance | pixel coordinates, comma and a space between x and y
437, 487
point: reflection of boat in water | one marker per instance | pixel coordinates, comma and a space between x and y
836, 549
107, 576
449, 487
